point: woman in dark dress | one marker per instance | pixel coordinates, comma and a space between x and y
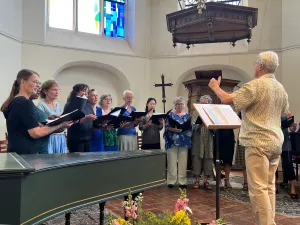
226, 149
41, 143
21, 121
150, 131
289, 176
80, 134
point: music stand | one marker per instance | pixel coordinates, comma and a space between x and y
216, 117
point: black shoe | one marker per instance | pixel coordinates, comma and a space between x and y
183, 186
294, 196
170, 185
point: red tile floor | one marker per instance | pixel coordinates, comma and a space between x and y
202, 204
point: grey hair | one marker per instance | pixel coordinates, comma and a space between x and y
269, 61
178, 99
207, 97
104, 96
127, 91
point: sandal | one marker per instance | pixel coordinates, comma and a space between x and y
207, 186
196, 185
228, 185
245, 187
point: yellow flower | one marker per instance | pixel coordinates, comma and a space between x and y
120, 221
181, 218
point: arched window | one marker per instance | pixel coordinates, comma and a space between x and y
105, 17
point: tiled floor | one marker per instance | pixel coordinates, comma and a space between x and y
203, 205
235, 205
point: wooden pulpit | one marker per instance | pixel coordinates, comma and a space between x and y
199, 87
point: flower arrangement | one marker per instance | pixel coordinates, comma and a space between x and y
136, 216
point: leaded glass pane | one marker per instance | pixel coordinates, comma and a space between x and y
61, 14
89, 16
114, 21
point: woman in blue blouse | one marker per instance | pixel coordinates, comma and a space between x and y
177, 144
49, 105
97, 143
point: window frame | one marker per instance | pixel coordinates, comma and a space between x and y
75, 21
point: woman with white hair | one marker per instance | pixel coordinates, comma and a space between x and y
202, 149
127, 133
177, 143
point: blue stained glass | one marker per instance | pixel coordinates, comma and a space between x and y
114, 18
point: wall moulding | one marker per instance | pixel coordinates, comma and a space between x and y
9, 36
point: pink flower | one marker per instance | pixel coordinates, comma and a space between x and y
116, 223
181, 204
127, 210
212, 222
134, 215
133, 208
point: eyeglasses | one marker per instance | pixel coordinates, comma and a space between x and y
129, 98
35, 82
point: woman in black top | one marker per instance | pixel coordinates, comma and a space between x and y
80, 134
21, 121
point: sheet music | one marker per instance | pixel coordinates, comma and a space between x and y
83, 96
233, 118
218, 116
49, 121
116, 113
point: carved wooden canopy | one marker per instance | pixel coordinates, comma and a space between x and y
218, 23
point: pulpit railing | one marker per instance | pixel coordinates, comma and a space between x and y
184, 4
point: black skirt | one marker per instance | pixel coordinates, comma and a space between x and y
150, 146
226, 146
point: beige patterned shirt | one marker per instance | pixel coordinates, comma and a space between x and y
261, 101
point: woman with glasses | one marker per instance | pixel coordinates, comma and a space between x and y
110, 137
177, 143
49, 104
21, 120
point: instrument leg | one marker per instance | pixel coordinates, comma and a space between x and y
67, 218
102, 216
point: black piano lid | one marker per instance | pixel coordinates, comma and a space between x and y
13, 163
42, 162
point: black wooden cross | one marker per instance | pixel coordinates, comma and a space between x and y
163, 85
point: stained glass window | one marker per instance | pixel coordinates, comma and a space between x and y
61, 14
89, 16
114, 18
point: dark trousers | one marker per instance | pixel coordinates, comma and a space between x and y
287, 167
79, 146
